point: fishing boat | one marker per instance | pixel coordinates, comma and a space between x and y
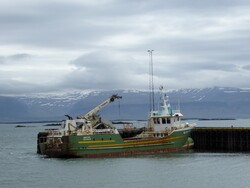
92, 136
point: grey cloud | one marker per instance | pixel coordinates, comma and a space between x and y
246, 67
196, 43
215, 66
68, 24
13, 87
104, 70
186, 71
2, 60
15, 58
18, 57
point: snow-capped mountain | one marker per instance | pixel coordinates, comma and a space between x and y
194, 103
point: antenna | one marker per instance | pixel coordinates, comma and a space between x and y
151, 81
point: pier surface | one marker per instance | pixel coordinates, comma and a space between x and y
221, 139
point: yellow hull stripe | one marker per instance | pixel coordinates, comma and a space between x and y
94, 142
137, 143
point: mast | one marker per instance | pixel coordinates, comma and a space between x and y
151, 81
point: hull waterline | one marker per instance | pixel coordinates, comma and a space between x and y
112, 146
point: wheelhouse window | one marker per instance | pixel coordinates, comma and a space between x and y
163, 120
157, 121
168, 121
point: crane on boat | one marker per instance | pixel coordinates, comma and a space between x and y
99, 107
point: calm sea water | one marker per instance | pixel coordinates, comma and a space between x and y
21, 167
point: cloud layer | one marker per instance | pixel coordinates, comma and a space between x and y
66, 45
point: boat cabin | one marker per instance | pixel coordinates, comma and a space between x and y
165, 119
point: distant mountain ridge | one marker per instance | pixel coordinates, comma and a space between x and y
214, 102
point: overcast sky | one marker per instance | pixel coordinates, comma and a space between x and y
61, 45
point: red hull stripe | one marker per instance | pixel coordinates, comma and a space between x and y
115, 154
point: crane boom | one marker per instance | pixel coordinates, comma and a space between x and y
100, 106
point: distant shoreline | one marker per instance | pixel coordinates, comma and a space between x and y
215, 119
114, 121
29, 122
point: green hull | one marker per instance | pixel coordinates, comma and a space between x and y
108, 145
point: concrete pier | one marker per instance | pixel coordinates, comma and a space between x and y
221, 139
